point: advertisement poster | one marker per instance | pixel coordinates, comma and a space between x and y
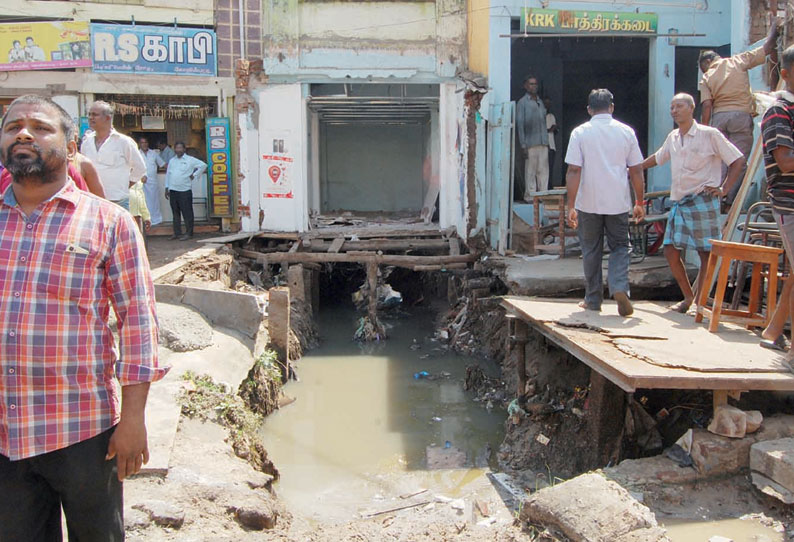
143, 49
44, 46
277, 167
220, 167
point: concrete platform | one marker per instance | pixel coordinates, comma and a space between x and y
554, 276
655, 347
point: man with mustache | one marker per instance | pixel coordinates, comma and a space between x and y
696, 154
72, 421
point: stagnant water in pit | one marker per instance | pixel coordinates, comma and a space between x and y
362, 421
737, 530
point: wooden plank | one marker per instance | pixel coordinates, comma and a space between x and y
336, 245
630, 373
385, 244
295, 246
454, 246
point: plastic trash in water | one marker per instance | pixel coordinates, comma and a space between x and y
447, 444
436, 419
421, 374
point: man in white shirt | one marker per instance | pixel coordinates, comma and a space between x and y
182, 171
599, 152
696, 153
150, 187
115, 155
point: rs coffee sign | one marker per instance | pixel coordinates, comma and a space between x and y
220, 167
143, 49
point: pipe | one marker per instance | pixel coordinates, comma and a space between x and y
242, 27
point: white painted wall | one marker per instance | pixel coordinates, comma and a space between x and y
283, 116
248, 171
381, 21
452, 200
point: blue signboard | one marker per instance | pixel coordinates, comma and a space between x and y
220, 166
142, 49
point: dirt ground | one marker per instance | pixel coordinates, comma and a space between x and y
162, 250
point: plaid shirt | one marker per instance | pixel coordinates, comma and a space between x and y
63, 267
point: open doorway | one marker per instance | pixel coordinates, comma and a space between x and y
567, 69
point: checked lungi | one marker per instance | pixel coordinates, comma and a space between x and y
693, 222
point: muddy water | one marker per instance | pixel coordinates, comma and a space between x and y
738, 530
362, 422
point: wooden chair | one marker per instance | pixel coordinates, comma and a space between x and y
557, 197
722, 254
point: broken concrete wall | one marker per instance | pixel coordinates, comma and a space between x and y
380, 39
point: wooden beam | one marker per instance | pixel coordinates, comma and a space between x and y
382, 244
356, 257
454, 246
336, 245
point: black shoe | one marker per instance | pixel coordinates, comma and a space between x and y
185, 237
173, 237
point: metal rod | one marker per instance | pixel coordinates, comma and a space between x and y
611, 35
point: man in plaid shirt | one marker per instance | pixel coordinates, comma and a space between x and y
71, 411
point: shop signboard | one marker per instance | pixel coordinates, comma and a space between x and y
220, 167
44, 46
559, 21
143, 49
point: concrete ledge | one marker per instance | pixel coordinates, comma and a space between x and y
161, 273
224, 308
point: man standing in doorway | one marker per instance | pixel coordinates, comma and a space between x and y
599, 152
182, 171
533, 138
696, 154
115, 155
551, 128
68, 435
726, 96
150, 187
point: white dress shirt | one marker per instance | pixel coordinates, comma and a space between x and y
696, 159
118, 162
603, 148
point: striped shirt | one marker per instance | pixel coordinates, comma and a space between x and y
777, 129
64, 267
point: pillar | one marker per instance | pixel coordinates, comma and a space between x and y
661, 89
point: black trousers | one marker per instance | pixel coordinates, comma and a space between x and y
182, 206
78, 478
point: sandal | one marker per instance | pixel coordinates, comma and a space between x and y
781, 344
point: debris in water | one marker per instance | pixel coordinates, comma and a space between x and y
436, 419
421, 374
543, 439
366, 331
458, 504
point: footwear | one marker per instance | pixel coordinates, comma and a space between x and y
681, 306
624, 304
173, 237
780, 344
588, 307
185, 237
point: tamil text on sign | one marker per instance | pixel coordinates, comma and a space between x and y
558, 21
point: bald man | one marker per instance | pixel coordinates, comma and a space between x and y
696, 154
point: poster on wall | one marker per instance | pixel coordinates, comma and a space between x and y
44, 46
220, 170
146, 49
277, 165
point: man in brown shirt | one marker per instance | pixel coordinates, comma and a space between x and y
728, 102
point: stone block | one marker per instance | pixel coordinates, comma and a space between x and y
716, 455
729, 421
588, 508
771, 488
775, 460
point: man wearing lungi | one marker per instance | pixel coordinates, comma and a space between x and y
696, 154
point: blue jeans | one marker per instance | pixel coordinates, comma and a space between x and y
592, 228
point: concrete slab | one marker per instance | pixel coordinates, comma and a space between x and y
774, 459
225, 308
227, 360
588, 508
550, 276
